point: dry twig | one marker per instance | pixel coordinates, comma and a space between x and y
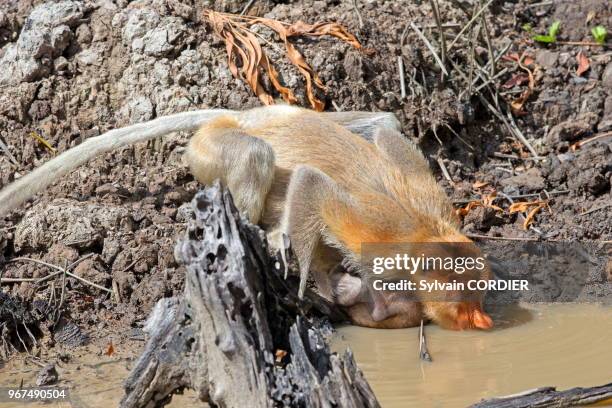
423, 352
430, 47
436, 12
469, 24
62, 270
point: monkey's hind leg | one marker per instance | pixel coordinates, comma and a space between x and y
243, 163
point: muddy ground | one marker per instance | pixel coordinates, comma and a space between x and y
70, 70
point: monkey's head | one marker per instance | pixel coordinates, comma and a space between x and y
437, 289
455, 302
394, 229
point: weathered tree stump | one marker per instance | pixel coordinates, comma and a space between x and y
549, 397
239, 336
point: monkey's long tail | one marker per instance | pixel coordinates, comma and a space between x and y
37, 180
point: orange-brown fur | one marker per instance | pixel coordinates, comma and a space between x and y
392, 203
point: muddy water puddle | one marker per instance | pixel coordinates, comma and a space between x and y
93, 382
562, 345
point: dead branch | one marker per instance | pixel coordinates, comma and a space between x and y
549, 397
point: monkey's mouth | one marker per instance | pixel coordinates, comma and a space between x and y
464, 316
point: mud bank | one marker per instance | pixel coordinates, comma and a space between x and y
72, 70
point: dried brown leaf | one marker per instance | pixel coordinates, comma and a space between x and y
486, 200
469, 207
530, 217
247, 60
110, 350
516, 80
524, 206
518, 104
583, 63
515, 57
280, 354
532, 206
523, 61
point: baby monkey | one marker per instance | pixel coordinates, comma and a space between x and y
329, 181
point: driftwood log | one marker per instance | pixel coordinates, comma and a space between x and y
546, 397
239, 336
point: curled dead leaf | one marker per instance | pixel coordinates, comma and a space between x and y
248, 61
515, 57
462, 212
486, 200
583, 63
532, 206
480, 184
523, 61
516, 80
110, 350
280, 354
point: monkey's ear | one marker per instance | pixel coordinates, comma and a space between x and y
400, 150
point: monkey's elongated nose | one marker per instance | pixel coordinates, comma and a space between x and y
471, 316
481, 320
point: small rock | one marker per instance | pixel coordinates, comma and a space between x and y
61, 254
60, 64
39, 110
110, 248
576, 80
353, 65
161, 41
547, 59
568, 131
139, 22
45, 35
47, 375
606, 78
483, 218
141, 109
529, 181
92, 270
180, 9
68, 334
606, 122
564, 58
177, 196
107, 188
83, 34
588, 180
90, 56
566, 157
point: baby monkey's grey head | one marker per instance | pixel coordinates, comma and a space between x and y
387, 302
352, 289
